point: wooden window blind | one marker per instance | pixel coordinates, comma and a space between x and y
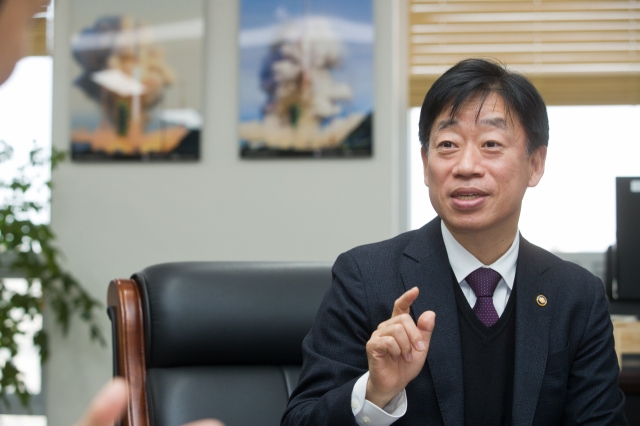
576, 52
37, 44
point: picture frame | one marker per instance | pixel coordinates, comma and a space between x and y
136, 89
306, 79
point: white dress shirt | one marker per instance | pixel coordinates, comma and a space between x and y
463, 263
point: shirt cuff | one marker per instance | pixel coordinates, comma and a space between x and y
369, 414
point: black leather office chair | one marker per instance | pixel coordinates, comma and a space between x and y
210, 339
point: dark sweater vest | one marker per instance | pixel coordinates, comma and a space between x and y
488, 356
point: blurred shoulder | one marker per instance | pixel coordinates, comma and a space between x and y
384, 258
392, 247
572, 279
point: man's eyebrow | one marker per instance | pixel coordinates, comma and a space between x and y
443, 124
498, 122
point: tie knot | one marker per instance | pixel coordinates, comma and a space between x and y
483, 281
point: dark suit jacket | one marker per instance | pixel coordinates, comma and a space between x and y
565, 364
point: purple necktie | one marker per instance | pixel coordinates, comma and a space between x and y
483, 282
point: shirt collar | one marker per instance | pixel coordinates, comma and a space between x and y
463, 263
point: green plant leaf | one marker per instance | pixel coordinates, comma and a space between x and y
28, 249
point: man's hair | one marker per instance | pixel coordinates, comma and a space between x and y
473, 78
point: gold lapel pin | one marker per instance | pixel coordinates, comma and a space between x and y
541, 300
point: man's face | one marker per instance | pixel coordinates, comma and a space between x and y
477, 168
15, 18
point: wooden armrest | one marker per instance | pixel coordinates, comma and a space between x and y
123, 299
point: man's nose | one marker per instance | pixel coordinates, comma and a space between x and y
469, 162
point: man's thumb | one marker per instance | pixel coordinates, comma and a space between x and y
426, 324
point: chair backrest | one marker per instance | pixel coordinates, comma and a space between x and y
213, 339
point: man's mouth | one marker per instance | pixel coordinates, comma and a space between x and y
467, 196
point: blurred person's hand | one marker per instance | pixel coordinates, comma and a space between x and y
109, 405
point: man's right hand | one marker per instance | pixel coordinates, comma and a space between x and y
397, 350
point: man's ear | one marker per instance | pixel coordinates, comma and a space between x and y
425, 162
537, 161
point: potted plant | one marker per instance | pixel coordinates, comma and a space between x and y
27, 250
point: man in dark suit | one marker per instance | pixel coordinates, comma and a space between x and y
521, 337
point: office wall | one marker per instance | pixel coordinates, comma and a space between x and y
114, 219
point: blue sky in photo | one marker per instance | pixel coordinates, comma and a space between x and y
259, 13
357, 67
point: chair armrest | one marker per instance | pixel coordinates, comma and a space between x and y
125, 310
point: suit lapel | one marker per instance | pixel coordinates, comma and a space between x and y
426, 266
532, 332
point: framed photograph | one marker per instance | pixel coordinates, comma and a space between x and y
136, 90
306, 78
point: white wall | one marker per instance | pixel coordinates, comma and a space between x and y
115, 219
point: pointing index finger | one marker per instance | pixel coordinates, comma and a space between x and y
403, 303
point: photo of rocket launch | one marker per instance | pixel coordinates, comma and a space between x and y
137, 80
306, 78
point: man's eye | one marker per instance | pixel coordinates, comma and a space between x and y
446, 144
491, 144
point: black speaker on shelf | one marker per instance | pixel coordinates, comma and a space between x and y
623, 259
